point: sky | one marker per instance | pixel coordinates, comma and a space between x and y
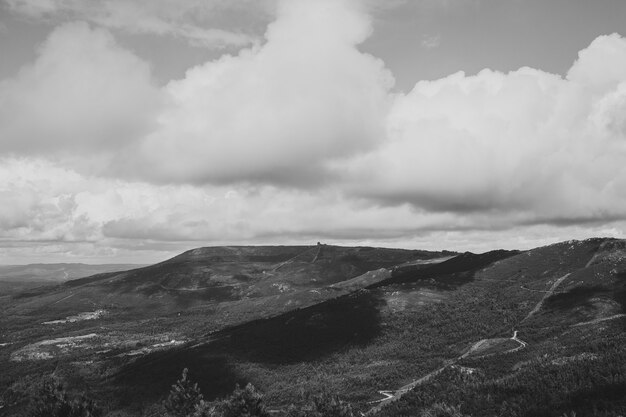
132, 130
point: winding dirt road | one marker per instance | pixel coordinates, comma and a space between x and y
393, 395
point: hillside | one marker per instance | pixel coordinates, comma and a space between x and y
486, 333
20, 277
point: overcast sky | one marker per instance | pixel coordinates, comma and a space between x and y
131, 130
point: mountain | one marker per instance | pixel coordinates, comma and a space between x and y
244, 282
531, 333
19, 277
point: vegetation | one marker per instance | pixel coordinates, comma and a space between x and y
322, 405
184, 397
243, 402
442, 410
416, 319
51, 400
584, 381
186, 400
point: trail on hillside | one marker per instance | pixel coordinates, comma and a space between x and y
317, 255
521, 346
391, 395
474, 348
62, 299
288, 261
595, 255
599, 320
406, 388
546, 295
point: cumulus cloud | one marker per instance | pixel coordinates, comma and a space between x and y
276, 113
38, 204
83, 92
533, 145
186, 19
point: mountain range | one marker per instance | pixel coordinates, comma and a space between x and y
394, 332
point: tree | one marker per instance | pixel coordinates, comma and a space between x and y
184, 397
52, 401
246, 402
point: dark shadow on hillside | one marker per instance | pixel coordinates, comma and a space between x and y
447, 275
604, 397
576, 297
307, 334
297, 336
150, 378
581, 296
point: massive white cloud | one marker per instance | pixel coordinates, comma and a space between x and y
533, 145
276, 113
83, 93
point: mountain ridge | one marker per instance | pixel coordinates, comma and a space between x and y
418, 312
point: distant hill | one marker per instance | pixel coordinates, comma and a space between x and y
16, 277
57, 271
528, 333
248, 281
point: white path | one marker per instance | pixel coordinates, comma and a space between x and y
392, 395
546, 295
616, 316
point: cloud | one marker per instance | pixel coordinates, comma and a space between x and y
185, 19
47, 206
527, 145
278, 112
82, 94
600, 68
274, 114
38, 203
52, 213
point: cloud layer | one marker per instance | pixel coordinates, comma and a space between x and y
300, 137
182, 18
